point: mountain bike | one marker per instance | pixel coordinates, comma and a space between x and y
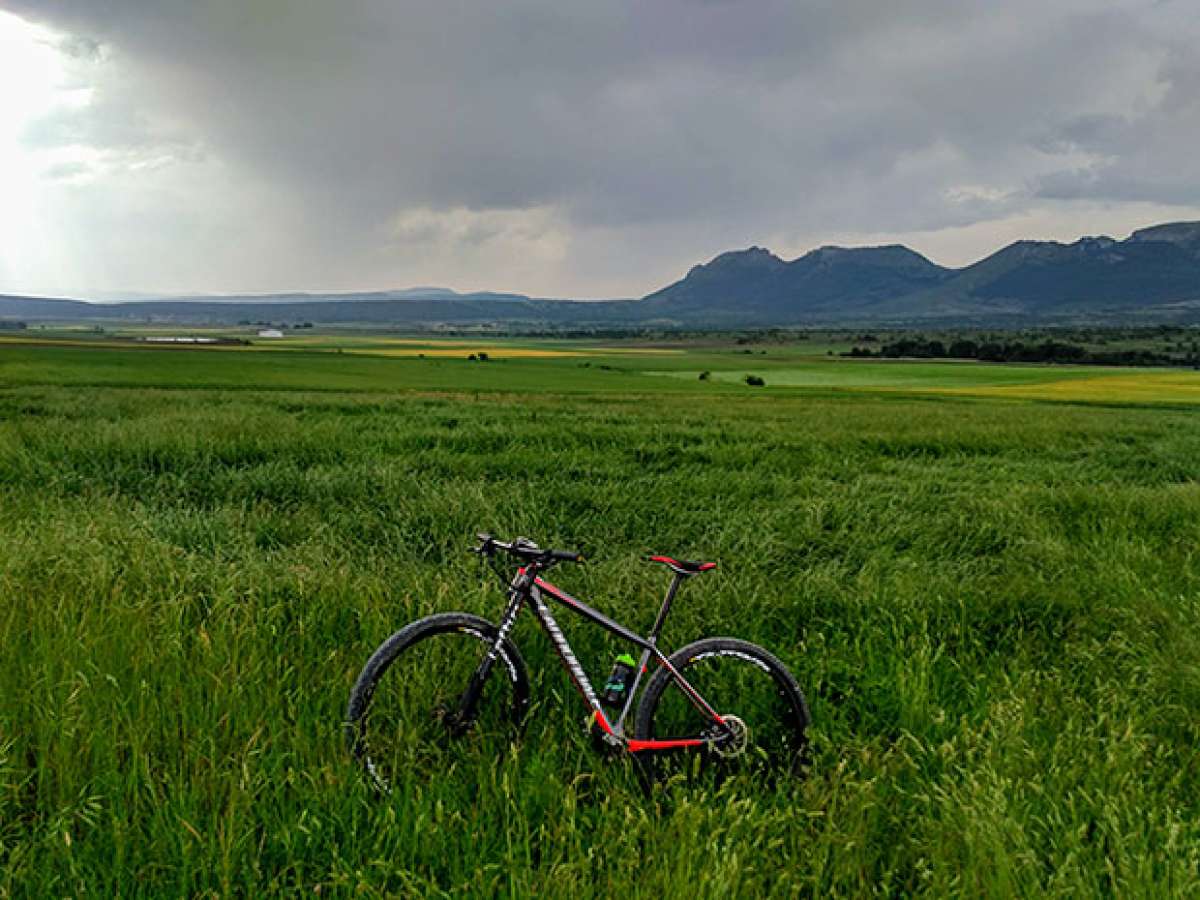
454, 677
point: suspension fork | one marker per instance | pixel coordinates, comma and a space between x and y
468, 703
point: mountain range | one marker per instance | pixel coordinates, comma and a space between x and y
1152, 276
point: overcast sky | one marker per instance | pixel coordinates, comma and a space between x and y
566, 148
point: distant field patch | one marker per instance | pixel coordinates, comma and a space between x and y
1137, 386
119, 343
888, 375
360, 345
459, 352
1026, 382
368, 341
452, 348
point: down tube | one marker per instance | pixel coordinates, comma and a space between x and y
574, 669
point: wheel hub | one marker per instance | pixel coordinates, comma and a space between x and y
735, 742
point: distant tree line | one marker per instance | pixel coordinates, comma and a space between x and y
10, 325
1049, 351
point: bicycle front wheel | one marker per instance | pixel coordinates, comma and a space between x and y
405, 707
750, 689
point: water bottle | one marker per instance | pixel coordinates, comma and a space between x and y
616, 689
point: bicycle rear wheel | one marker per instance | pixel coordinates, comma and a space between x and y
749, 688
402, 715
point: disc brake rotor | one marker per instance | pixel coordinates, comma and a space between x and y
736, 743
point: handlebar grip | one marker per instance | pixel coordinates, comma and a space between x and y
566, 556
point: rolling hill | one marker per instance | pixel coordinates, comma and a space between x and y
419, 307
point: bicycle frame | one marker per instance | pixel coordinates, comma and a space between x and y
527, 584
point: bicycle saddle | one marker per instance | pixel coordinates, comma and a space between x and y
684, 566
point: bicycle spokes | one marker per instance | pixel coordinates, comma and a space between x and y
416, 711
759, 730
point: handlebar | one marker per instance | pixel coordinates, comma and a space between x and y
525, 550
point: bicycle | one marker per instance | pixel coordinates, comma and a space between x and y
727, 700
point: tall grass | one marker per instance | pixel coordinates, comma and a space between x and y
993, 608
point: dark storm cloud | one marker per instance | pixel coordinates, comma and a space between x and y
1150, 155
668, 130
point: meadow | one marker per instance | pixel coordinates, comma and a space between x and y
985, 578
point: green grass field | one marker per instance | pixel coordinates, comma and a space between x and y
986, 578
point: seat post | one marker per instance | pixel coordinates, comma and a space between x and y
666, 606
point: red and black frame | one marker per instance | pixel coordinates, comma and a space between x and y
528, 585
